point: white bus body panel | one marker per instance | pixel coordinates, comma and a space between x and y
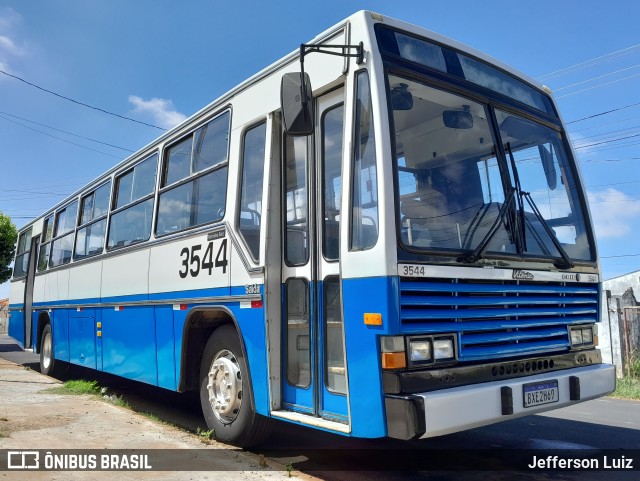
126, 274
84, 281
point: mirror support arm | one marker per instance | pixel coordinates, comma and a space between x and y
307, 48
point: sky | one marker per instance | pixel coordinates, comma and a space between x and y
159, 61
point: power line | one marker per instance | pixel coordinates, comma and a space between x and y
66, 132
80, 103
58, 138
596, 78
597, 86
603, 113
621, 255
604, 124
590, 63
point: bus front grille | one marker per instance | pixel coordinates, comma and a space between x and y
496, 320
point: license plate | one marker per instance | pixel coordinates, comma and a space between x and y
544, 392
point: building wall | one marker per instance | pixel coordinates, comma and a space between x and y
4, 316
621, 293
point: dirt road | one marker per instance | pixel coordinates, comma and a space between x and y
31, 418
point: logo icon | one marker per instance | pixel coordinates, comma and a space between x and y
522, 275
23, 460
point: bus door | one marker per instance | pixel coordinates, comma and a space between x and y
313, 364
28, 293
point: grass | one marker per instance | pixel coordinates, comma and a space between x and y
627, 388
77, 387
205, 434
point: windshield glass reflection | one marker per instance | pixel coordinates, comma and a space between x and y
453, 185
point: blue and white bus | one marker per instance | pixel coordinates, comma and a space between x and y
391, 240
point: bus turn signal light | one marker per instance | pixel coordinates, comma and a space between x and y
393, 360
371, 319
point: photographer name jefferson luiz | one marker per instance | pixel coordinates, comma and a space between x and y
556, 462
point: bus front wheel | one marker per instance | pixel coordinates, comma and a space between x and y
225, 392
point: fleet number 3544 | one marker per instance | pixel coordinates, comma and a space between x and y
193, 263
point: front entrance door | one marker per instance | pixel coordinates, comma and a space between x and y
314, 374
28, 294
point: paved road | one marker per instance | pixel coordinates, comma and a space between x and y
601, 424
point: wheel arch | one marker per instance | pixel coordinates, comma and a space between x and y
199, 326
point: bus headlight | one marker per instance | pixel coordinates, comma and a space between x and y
583, 336
420, 350
587, 336
443, 349
576, 337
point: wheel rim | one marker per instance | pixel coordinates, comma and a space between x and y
225, 386
46, 351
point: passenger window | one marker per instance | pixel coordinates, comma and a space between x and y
21, 263
93, 219
251, 194
137, 182
62, 244
43, 254
130, 222
194, 183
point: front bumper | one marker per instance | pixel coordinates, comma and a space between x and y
424, 415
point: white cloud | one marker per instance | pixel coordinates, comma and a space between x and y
7, 45
161, 110
613, 212
9, 20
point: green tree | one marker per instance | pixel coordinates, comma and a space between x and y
8, 237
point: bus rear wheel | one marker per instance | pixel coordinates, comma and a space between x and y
225, 392
47, 358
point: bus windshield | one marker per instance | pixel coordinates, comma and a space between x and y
455, 172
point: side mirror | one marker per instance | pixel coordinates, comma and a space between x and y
457, 119
296, 103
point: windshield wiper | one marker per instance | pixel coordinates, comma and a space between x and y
519, 229
476, 255
566, 260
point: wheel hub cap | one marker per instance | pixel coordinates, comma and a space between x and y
225, 386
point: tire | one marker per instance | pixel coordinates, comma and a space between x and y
225, 392
47, 357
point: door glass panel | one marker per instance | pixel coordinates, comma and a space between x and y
251, 191
298, 333
332, 134
295, 191
334, 358
364, 214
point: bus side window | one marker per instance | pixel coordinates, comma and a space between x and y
93, 222
22, 254
251, 192
132, 212
62, 244
194, 181
47, 234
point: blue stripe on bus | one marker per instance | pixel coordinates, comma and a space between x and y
141, 342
